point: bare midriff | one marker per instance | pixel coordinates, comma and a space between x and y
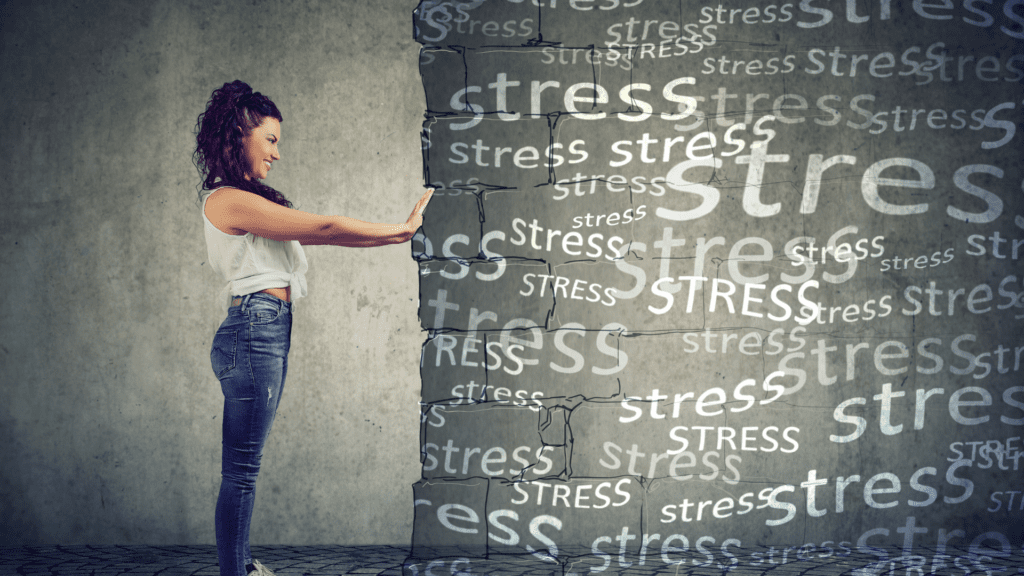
282, 293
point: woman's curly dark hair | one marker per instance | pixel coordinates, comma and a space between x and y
232, 111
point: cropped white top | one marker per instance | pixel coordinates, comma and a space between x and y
251, 263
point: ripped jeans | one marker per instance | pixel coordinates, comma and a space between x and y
250, 358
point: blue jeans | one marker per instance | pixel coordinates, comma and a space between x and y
250, 358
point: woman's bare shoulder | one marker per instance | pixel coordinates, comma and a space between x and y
220, 205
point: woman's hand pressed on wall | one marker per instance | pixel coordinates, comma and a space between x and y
416, 218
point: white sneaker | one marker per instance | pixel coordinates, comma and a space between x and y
260, 570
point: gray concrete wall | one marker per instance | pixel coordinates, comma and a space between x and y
665, 348
110, 417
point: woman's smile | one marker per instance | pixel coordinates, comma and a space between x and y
260, 148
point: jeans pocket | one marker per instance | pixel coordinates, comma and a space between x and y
223, 351
262, 313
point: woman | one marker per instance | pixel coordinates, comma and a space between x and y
254, 239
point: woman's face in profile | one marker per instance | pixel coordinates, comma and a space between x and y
260, 148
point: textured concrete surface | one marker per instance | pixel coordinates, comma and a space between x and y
110, 415
697, 281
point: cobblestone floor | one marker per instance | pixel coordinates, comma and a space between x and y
393, 561
197, 560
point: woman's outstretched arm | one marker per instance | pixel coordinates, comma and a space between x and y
236, 212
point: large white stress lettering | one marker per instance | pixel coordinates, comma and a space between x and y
876, 186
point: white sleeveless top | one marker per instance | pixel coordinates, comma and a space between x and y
251, 263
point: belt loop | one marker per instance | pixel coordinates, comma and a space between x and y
245, 303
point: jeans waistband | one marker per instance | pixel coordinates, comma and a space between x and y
243, 301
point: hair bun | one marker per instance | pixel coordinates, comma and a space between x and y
235, 92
